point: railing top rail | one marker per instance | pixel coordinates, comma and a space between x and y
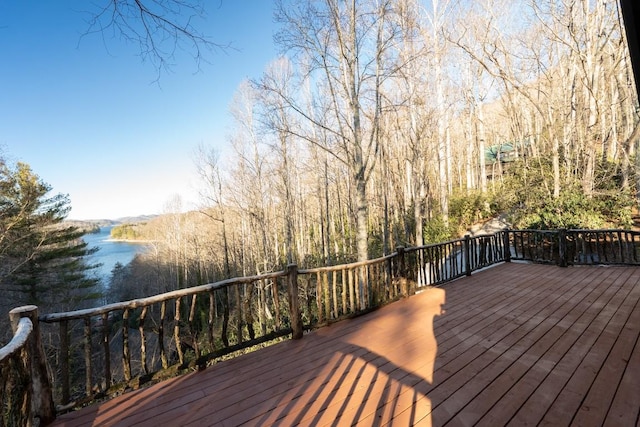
433, 245
531, 230
141, 302
347, 266
602, 230
574, 230
20, 337
383, 258
480, 236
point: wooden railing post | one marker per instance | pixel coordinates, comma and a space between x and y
402, 272
42, 406
64, 362
294, 302
506, 243
562, 248
467, 254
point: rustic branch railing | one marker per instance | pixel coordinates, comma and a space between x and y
15, 394
575, 247
330, 293
25, 391
101, 351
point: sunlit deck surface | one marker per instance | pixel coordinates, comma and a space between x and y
517, 344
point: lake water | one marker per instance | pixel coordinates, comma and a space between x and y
111, 252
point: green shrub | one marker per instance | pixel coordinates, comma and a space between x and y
435, 231
574, 209
466, 209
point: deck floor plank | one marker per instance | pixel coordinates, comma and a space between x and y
563, 327
514, 356
507, 345
568, 403
517, 343
579, 341
624, 410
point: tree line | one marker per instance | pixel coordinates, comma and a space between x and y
380, 117
388, 123
43, 261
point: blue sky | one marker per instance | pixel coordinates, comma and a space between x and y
86, 114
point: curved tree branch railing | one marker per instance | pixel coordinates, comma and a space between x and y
25, 391
103, 351
575, 247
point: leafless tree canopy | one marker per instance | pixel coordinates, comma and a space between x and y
161, 28
399, 123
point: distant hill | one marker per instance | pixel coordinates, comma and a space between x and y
92, 225
133, 219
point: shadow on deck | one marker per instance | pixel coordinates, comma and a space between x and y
516, 344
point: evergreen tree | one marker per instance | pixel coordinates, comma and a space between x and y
42, 260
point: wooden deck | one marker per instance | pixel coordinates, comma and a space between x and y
517, 344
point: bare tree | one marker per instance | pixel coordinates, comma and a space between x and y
160, 28
208, 166
343, 48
